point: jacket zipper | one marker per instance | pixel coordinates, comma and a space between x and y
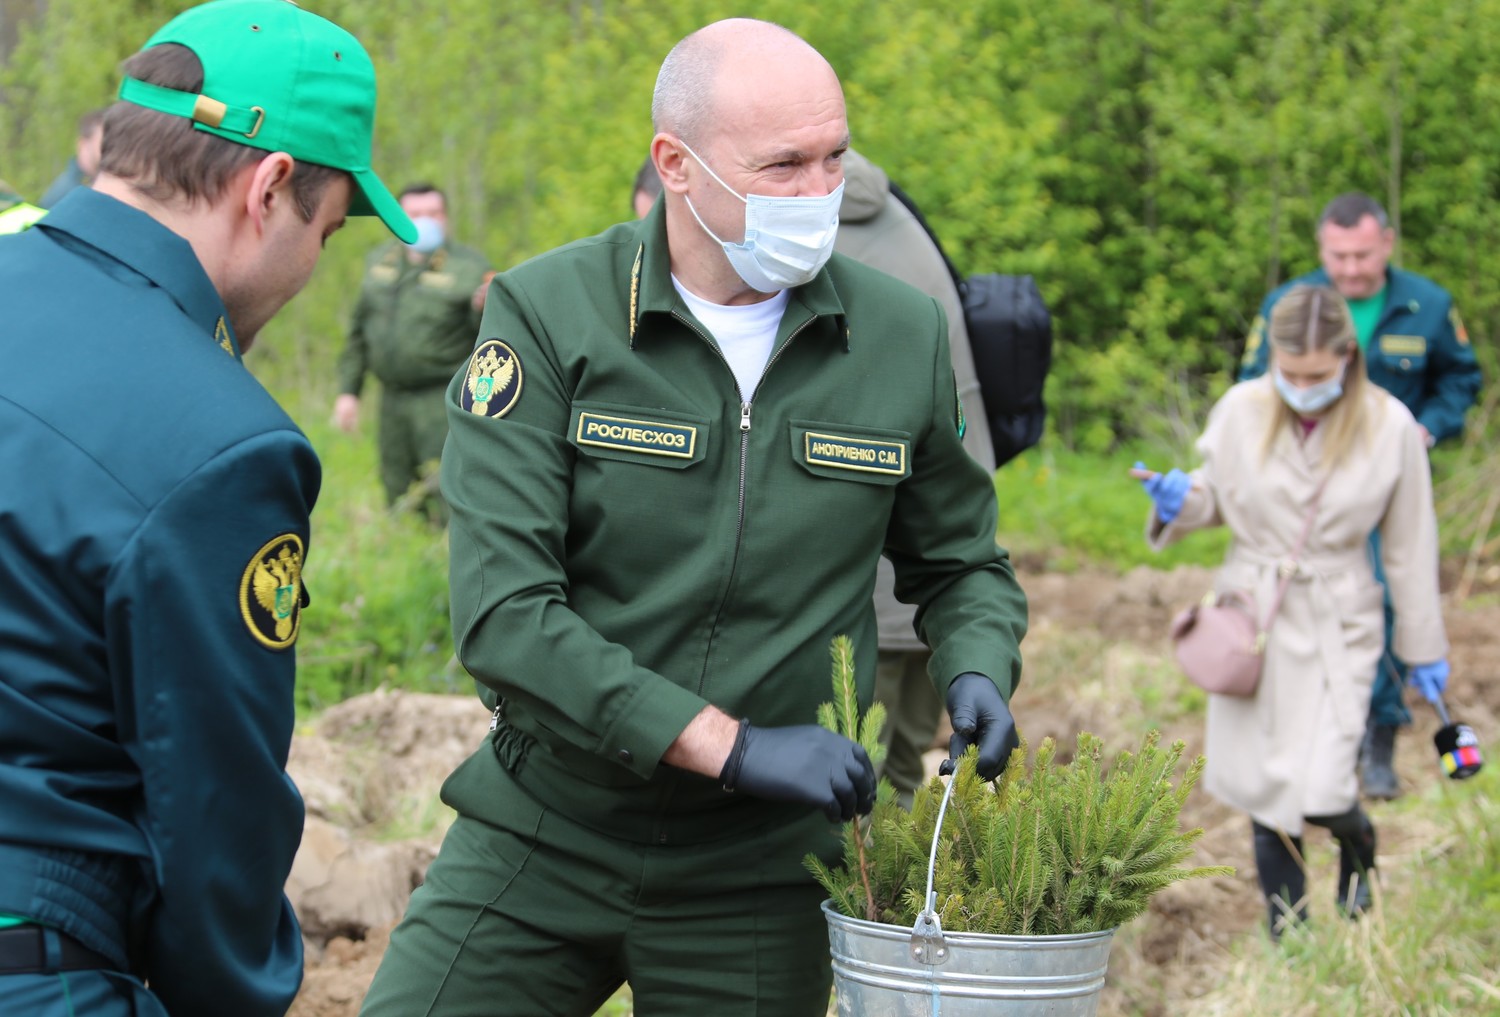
746, 406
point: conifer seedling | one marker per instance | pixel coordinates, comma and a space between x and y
1048, 849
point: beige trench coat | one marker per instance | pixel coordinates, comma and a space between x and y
1290, 751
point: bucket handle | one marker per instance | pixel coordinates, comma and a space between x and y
927, 943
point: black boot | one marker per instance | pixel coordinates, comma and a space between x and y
1356, 868
1377, 770
1278, 865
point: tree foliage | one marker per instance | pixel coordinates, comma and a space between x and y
1157, 164
1056, 848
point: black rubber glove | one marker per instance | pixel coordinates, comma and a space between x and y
805, 764
980, 717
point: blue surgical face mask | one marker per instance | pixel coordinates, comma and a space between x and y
430, 234
1313, 398
787, 240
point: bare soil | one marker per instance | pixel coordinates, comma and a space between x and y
370, 770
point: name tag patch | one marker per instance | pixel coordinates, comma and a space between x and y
1403, 345
648, 437
862, 454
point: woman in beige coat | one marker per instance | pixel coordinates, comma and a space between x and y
1287, 754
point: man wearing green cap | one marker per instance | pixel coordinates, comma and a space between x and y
154, 524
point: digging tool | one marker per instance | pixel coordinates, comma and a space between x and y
1457, 746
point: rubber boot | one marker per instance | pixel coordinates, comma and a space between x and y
1356, 869
1377, 770
1278, 865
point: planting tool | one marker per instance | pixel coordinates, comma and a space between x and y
1457, 746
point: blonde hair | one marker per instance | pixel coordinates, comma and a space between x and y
1307, 319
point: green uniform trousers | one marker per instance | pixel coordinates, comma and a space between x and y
413, 427
547, 917
1387, 705
913, 711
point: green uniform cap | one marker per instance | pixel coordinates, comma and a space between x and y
282, 79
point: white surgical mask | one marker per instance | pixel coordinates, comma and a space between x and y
787, 240
430, 234
1313, 398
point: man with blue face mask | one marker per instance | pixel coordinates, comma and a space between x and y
676, 456
413, 325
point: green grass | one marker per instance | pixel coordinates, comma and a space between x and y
1066, 510
1432, 945
378, 582
378, 579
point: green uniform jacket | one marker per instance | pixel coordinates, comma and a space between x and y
1420, 351
413, 323
632, 539
153, 526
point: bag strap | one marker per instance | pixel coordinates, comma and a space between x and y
1288, 568
911, 206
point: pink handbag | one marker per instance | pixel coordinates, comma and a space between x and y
1221, 643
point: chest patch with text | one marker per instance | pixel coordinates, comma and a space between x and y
862, 454
1403, 345
648, 437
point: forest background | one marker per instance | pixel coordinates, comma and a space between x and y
1158, 165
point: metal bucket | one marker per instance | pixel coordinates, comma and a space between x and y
875, 974
891, 971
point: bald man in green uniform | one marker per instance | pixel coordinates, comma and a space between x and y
675, 458
154, 525
413, 325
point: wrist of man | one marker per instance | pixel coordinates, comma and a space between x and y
705, 744
729, 776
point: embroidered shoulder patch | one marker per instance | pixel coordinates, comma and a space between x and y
271, 596
492, 384
1458, 326
855, 453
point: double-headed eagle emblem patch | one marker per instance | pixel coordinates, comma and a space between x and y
492, 384
271, 594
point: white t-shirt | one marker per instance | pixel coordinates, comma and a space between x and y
746, 333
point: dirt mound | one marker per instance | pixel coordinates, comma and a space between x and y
1097, 661
369, 770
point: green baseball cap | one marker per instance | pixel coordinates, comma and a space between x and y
282, 79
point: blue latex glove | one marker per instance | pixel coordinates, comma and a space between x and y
980, 717
1431, 679
1167, 491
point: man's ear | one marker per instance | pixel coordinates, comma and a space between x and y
270, 183
669, 155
